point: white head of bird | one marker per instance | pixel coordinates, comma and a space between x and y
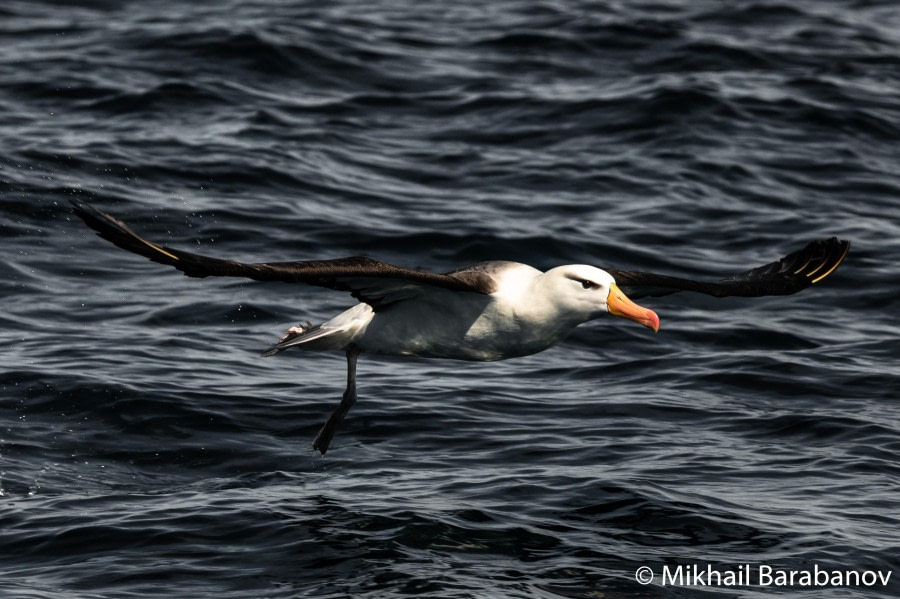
587, 292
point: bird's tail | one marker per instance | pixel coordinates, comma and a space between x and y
338, 333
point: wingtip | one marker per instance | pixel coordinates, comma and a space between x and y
836, 247
89, 213
81, 207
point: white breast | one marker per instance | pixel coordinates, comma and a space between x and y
467, 326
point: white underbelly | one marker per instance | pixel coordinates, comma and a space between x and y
464, 327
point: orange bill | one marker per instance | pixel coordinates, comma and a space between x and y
618, 304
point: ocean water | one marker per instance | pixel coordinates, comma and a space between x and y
147, 450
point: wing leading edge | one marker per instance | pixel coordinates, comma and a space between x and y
366, 279
786, 276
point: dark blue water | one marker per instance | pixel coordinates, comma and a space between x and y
146, 449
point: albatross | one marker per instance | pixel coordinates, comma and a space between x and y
489, 311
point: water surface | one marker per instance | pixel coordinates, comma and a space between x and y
146, 448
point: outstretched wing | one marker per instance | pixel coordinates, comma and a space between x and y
368, 280
789, 275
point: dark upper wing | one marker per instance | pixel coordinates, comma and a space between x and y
368, 280
789, 275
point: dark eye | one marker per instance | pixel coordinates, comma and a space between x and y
588, 285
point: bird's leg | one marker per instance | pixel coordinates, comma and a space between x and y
323, 439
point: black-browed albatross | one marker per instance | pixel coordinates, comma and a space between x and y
489, 311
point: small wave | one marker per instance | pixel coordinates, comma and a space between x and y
171, 95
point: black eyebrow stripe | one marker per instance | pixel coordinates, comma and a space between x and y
583, 281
